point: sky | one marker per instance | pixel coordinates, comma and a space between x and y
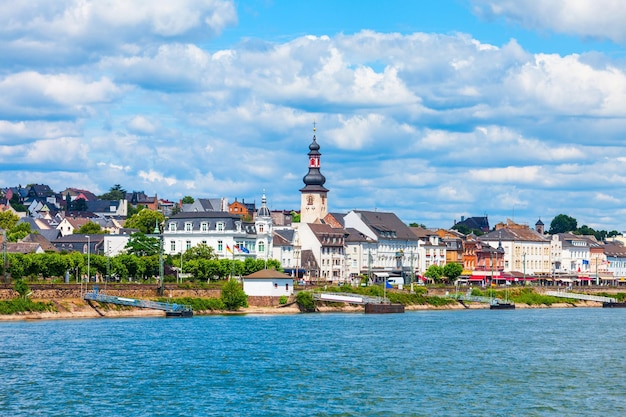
514, 109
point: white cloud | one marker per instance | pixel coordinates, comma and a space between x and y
140, 125
153, 176
602, 19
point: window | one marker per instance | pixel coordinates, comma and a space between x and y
220, 245
261, 228
188, 244
172, 246
204, 242
172, 227
188, 227
220, 226
204, 227
261, 247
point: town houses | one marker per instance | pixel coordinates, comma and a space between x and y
313, 244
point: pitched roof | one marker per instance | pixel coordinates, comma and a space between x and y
268, 274
386, 225
41, 240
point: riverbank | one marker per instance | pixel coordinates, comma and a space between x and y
79, 309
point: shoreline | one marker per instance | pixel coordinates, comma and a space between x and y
75, 309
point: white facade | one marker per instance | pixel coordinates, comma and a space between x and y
268, 287
227, 234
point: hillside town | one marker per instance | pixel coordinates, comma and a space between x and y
313, 244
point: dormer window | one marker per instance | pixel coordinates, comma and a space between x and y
220, 226
188, 227
172, 227
204, 226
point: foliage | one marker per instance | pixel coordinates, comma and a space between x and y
188, 199
282, 300
20, 305
305, 302
562, 223
90, 228
201, 251
8, 220
77, 205
434, 272
197, 304
22, 288
19, 231
141, 245
16, 204
452, 270
417, 225
462, 228
233, 296
115, 193
295, 217
145, 220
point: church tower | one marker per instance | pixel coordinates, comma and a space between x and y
313, 204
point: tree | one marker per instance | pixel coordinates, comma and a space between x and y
295, 217
188, 199
562, 223
8, 220
78, 205
141, 245
16, 204
434, 272
90, 228
417, 225
115, 193
22, 288
233, 296
145, 220
452, 270
19, 231
201, 251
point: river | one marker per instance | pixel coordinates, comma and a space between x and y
527, 362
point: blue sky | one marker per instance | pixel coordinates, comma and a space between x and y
432, 110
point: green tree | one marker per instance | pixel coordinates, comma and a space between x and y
233, 296
77, 205
115, 193
188, 199
19, 231
145, 220
22, 288
8, 220
141, 245
90, 228
562, 223
16, 204
452, 270
417, 225
201, 251
295, 217
434, 272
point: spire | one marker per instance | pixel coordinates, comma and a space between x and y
263, 210
314, 180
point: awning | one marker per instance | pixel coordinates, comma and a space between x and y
381, 274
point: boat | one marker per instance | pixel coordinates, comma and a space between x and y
616, 304
383, 308
501, 305
179, 313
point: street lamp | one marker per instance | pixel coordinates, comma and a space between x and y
88, 260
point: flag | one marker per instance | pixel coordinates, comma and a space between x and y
228, 249
585, 262
388, 285
244, 249
237, 248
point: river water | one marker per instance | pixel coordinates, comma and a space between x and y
527, 362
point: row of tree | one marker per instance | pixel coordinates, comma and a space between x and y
563, 223
127, 266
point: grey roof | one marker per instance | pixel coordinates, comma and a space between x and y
102, 206
212, 218
355, 236
387, 225
287, 234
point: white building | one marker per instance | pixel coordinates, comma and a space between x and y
226, 233
267, 282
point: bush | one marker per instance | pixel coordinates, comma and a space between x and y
233, 296
282, 300
20, 305
305, 301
